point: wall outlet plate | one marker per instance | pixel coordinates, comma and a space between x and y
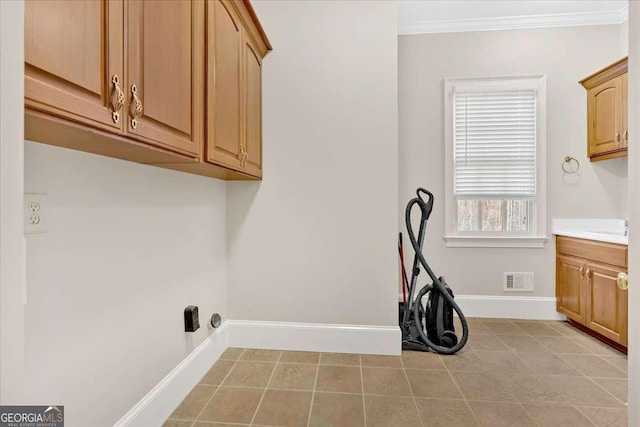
35, 213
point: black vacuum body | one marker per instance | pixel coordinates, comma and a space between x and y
427, 317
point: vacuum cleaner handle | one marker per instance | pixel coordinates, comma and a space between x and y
426, 206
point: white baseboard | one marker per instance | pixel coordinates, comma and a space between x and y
315, 337
508, 307
159, 403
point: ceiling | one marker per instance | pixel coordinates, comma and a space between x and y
436, 16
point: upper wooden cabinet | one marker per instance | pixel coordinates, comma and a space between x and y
188, 99
224, 84
165, 73
607, 131
74, 61
235, 47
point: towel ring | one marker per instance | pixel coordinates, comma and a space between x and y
567, 163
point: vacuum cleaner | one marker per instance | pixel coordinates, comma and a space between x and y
427, 326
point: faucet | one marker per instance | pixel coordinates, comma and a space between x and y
626, 227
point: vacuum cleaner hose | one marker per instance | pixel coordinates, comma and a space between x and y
438, 286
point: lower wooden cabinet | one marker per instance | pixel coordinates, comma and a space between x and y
587, 289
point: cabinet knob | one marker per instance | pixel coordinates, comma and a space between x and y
617, 137
581, 271
622, 281
588, 274
626, 137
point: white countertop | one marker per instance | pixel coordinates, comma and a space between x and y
601, 229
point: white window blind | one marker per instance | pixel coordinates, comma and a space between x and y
494, 139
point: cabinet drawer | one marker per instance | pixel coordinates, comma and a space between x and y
604, 252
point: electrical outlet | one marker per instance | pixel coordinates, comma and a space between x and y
34, 213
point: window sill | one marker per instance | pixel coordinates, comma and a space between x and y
495, 242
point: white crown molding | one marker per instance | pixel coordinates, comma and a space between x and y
514, 22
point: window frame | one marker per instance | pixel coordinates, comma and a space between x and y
537, 234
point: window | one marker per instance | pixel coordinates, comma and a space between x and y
495, 163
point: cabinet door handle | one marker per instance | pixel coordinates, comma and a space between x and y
244, 156
626, 137
617, 137
589, 273
117, 99
136, 106
622, 281
581, 271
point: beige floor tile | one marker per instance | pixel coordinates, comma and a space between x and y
193, 403
421, 360
261, 355
486, 342
619, 362
523, 343
344, 379
299, 357
337, 410
501, 414
232, 405
530, 389
615, 386
476, 327
284, 408
548, 364
537, 328
549, 415
563, 345
505, 362
391, 411
340, 359
592, 366
503, 327
381, 361
445, 413
218, 372
465, 361
597, 346
232, 353
425, 383
387, 381
294, 376
481, 386
606, 417
580, 391
565, 329
211, 424
177, 423
250, 374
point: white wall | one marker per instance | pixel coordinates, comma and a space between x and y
316, 240
127, 248
11, 210
566, 55
634, 214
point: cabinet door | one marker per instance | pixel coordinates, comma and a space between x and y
571, 292
605, 117
72, 51
224, 79
165, 54
252, 107
624, 109
607, 312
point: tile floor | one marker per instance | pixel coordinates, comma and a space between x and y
511, 373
